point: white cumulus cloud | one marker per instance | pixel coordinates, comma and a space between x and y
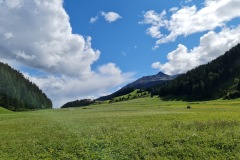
190, 19
109, 17
37, 34
211, 46
157, 21
64, 88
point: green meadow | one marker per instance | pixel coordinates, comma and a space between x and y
144, 128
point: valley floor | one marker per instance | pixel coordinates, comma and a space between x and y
144, 128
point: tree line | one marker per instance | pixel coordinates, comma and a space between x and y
78, 103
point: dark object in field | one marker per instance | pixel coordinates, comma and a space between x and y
86, 108
188, 107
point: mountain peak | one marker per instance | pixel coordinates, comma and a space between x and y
161, 74
148, 81
141, 83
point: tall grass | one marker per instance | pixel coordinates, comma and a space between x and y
138, 129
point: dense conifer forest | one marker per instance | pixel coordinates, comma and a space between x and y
18, 93
217, 79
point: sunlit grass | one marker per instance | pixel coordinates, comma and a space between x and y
3, 110
144, 128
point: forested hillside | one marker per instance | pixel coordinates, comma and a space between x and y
18, 93
78, 103
217, 79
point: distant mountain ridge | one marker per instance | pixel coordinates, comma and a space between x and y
148, 81
141, 83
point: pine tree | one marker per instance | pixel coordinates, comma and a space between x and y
238, 87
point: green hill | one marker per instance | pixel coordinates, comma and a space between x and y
137, 93
18, 93
3, 110
218, 79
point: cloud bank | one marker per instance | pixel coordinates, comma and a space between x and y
211, 46
37, 34
190, 19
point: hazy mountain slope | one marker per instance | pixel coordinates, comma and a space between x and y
18, 93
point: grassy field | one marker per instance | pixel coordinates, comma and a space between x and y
144, 128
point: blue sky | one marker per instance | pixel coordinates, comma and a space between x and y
124, 41
76, 49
